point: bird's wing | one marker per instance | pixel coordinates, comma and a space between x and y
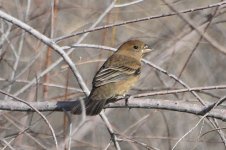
114, 74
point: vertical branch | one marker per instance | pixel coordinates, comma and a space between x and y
21, 43
54, 13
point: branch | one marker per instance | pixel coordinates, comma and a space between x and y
49, 42
138, 20
144, 103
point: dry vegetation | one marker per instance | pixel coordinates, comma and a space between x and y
190, 52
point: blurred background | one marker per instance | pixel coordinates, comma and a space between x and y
179, 49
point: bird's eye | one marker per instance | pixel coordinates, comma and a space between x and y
135, 47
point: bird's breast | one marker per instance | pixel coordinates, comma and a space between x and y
126, 85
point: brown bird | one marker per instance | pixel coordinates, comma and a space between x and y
116, 76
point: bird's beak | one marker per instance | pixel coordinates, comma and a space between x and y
146, 49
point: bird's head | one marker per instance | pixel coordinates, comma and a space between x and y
134, 48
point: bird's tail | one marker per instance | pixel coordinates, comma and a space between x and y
92, 107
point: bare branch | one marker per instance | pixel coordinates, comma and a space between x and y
138, 20
144, 103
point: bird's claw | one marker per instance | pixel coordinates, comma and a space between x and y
127, 96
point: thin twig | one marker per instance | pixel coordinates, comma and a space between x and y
36, 110
138, 20
203, 117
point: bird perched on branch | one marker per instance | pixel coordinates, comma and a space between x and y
116, 77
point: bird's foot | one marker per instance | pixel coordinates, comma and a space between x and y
126, 96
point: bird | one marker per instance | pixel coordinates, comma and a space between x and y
115, 77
